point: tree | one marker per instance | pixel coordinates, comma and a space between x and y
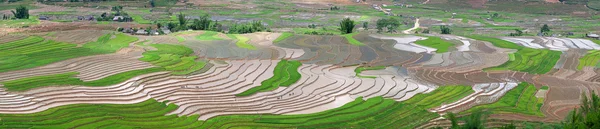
425, 31
445, 29
346, 26
152, 4
312, 26
587, 116
158, 25
171, 26
21, 12
391, 24
181, 19
517, 33
366, 25
545, 29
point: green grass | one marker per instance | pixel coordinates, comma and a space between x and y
147, 114
376, 112
534, 61
57, 13
282, 37
174, 58
110, 45
590, 59
208, 36
35, 51
351, 40
437, 43
180, 39
544, 88
33, 20
360, 69
285, 74
65, 79
242, 42
139, 19
520, 99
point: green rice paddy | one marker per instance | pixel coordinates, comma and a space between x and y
351, 39
534, 61
376, 112
590, 59
283, 37
242, 42
208, 36
437, 43
174, 58
520, 99
285, 74
360, 69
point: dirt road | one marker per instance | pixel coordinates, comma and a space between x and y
415, 27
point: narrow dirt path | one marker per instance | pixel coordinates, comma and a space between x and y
415, 27
425, 2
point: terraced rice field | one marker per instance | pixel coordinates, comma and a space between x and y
534, 61
198, 79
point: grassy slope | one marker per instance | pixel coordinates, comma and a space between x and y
65, 79
242, 42
375, 112
359, 70
282, 37
174, 58
520, 99
351, 40
285, 74
35, 51
437, 43
534, 61
590, 59
208, 36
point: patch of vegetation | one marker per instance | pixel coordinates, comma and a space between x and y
347, 26
139, 19
242, 42
534, 61
174, 58
147, 114
360, 69
437, 43
351, 40
587, 116
33, 20
35, 51
520, 99
282, 37
107, 44
590, 59
180, 39
375, 112
209, 36
66, 79
285, 74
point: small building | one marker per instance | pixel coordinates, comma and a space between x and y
141, 32
592, 35
153, 32
127, 30
166, 31
43, 18
116, 18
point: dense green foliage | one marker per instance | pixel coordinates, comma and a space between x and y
282, 37
520, 99
285, 74
351, 40
534, 61
437, 43
106, 44
590, 59
201, 24
374, 112
174, 58
390, 23
64, 79
360, 69
21, 12
255, 26
347, 26
545, 29
445, 30
587, 116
